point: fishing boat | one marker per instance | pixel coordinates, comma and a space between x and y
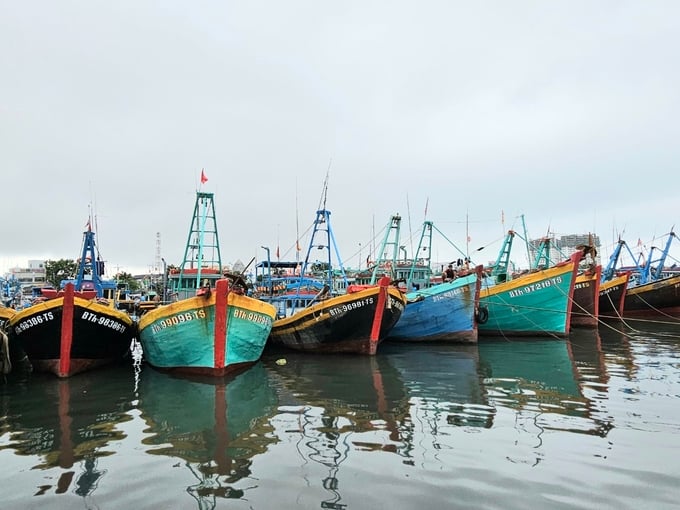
327, 321
653, 290
76, 327
211, 327
533, 303
445, 311
586, 307
612, 296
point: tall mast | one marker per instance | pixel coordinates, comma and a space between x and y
202, 249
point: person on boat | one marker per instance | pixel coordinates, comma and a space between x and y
449, 274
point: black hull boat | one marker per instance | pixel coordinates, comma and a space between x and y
355, 322
70, 334
653, 290
338, 318
653, 299
77, 327
613, 296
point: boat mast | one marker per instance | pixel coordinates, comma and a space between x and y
501, 267
650, 273
424, 244
203, 239
89, 263
391, 239
322, 225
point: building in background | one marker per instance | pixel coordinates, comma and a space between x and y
31, 276
562, 247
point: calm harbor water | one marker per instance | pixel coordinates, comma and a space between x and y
588, 422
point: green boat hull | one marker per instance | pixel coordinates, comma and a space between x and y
534, 304
181, 335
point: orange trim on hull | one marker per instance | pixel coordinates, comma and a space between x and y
220, 334
379, 310
66, 332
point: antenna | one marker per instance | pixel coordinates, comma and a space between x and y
324, 193
297, 226
157, 262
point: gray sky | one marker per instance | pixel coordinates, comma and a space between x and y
564, 111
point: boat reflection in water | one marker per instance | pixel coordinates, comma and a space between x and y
405, 401
443, 381
67, 424
549, 384
333, 406
626, 342
534, 379
215, 425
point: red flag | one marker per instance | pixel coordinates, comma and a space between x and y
297, 245
277, 252
204, 179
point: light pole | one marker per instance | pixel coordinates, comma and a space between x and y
269, 269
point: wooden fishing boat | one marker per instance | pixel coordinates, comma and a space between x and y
657, 298
77, 327
535, 303
652, 291
585, 309
445, 311
212, 328
356, 321
612, 296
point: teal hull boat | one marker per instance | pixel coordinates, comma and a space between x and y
188, 336
534, 304
211, 328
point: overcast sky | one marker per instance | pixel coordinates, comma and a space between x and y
566, 112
